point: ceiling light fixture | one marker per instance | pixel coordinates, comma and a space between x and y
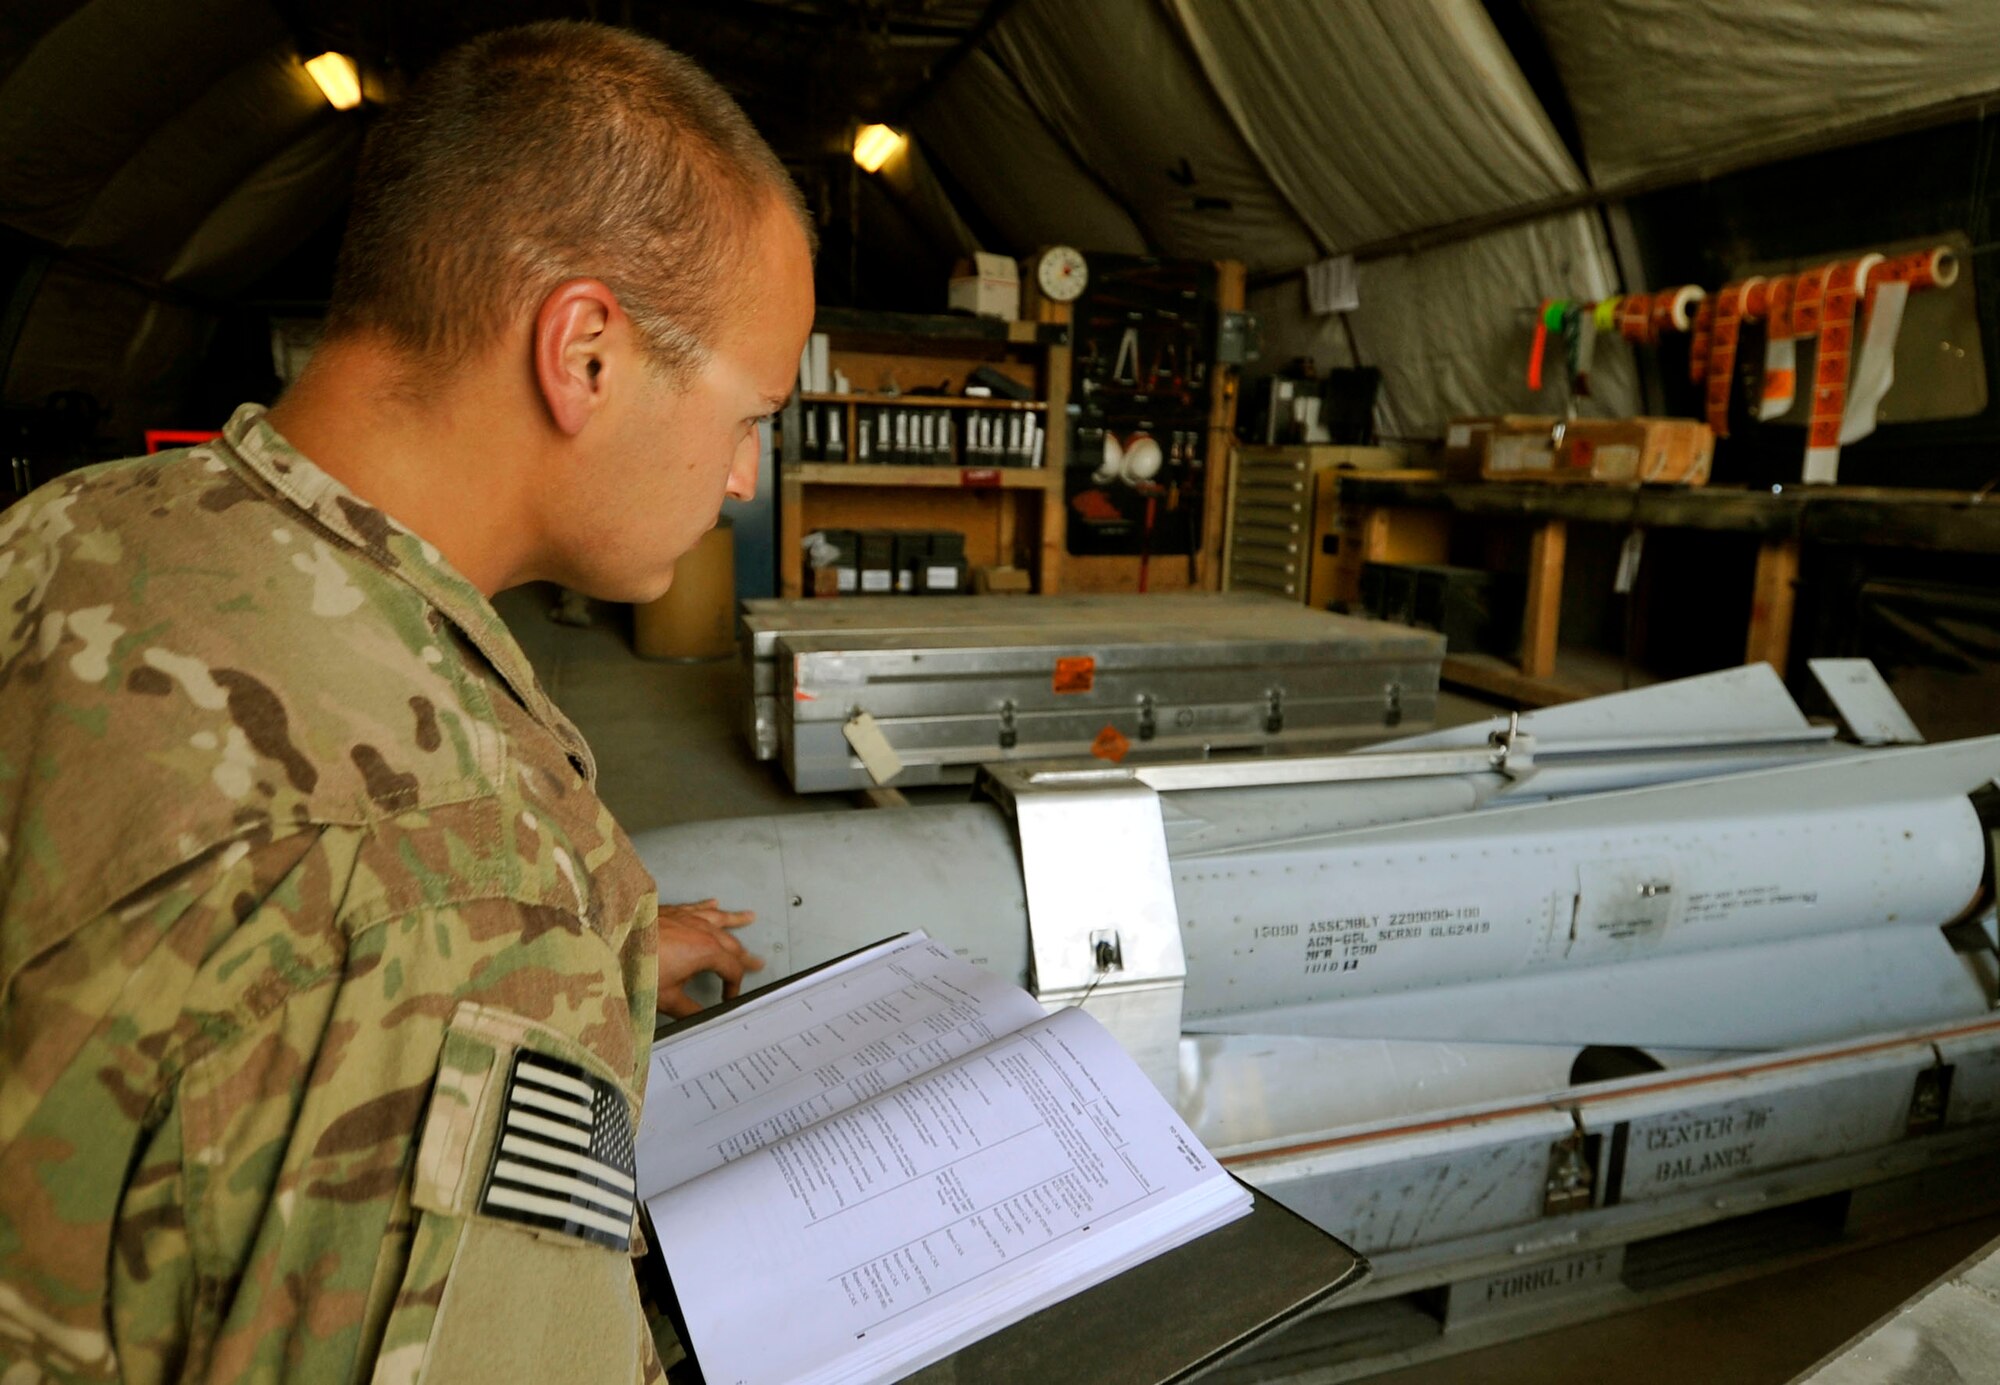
875, 145
337, 77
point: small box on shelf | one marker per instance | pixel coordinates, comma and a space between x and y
1000, 580
986, 286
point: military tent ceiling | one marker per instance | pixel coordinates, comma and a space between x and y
169, 154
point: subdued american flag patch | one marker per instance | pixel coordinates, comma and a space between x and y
563, 1160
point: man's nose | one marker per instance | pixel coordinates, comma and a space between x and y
743, 470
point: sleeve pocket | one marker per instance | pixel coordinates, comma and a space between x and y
519, 1265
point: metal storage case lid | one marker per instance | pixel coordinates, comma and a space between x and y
1266, 642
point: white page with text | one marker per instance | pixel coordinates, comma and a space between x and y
924, 1218
798, 1055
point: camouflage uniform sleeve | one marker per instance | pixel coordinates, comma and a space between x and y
358, 1129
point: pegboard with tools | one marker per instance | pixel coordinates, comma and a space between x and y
1145, 341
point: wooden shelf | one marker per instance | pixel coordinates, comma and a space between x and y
970, 478
928, 401
1008, 515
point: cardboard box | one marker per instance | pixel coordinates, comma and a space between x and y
988, 286
1605, 451
1514, 447
843, 570
1463, 455
1644, 451
1001, 581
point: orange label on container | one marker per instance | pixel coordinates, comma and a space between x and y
1075, 673
1111, 745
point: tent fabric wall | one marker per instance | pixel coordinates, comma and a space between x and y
1449, 327
1379, 117
1700, 87
1115, 82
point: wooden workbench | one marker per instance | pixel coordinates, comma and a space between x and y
1782, 520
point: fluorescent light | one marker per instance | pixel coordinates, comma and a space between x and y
337, 77
874, 145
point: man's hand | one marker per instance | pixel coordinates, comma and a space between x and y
695, 938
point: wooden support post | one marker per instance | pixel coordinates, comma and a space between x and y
1542, 621
1231, 286
791, 533
1053, 529
1773, 595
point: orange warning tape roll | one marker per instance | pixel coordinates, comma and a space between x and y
1778, 307
1682, 309
1698, 343
1780, 381
1662, 316
1635, 318
1922, 269
1723, 336
1807, 292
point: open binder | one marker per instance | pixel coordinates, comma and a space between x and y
1164, 1319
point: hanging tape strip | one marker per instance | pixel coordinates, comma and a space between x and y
1781, 357
1889, 285
1730, 313
1698, 341
1831, 359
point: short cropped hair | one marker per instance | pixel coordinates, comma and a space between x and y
547, 152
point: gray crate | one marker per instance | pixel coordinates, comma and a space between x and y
1171, 677
764, 622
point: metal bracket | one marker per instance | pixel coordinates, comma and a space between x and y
1102, 920
1572, 1176
1930, 1099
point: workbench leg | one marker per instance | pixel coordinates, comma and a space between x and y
1542, 620
1773, 596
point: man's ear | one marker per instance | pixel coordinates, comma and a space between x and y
572, 331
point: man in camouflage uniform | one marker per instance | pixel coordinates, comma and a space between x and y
311, 923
